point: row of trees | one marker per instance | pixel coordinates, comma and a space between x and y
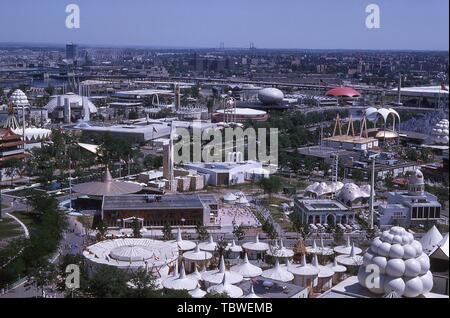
31, 256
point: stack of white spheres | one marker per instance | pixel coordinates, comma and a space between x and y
402, 264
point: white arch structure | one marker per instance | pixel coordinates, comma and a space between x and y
384, 113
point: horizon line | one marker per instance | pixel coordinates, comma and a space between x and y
175, 47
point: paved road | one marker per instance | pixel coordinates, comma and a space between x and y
72, 243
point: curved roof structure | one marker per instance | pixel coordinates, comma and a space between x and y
73, 99
343, 92
197, 292
216, 276
19, 99
229, 197
246, 269
197, 255
322, 250
372, 113
323, 188
270, 95
251, 294
441, 250
324, 271
347, 248
439, 133
404, 267
196, 274
181, 281
209, 246
278, 273
234, 248
335, 267
256, 246
108, 187
351, 259
304, 269
431, 239
182, 244
226, 287
34, 134
280, 251
351, 192
132, 253
416, 178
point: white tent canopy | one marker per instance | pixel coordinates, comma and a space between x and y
226, 287
441, 250
180, 282
216, 276
246, 269
256, 246
209, 246
278, 273
251, 293
431, 239
197, 255
280, 251
347, 248
182, 244
350, 260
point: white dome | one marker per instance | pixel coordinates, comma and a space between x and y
18, 98
270, 96
403, 266
416, 178
439, 133
351, 192
130, 253
372, 113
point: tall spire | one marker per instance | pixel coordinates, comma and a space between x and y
315, 261
222, 265
182, 271
179, 237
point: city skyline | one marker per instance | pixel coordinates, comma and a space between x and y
324, 25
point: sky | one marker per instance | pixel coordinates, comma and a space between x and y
297, 24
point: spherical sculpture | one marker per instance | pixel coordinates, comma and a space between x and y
395, 267
402, 265
396, 284
270, 96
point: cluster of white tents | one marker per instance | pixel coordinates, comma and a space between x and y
314, 276
236, 198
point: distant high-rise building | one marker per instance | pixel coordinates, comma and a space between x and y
71, 51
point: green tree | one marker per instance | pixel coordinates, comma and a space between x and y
269, 229
167, 232
239, 231
201, 231
271, 185
108, 282
136, 226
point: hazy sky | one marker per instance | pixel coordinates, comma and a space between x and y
312, 24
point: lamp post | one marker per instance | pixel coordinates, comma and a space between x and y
372, 189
